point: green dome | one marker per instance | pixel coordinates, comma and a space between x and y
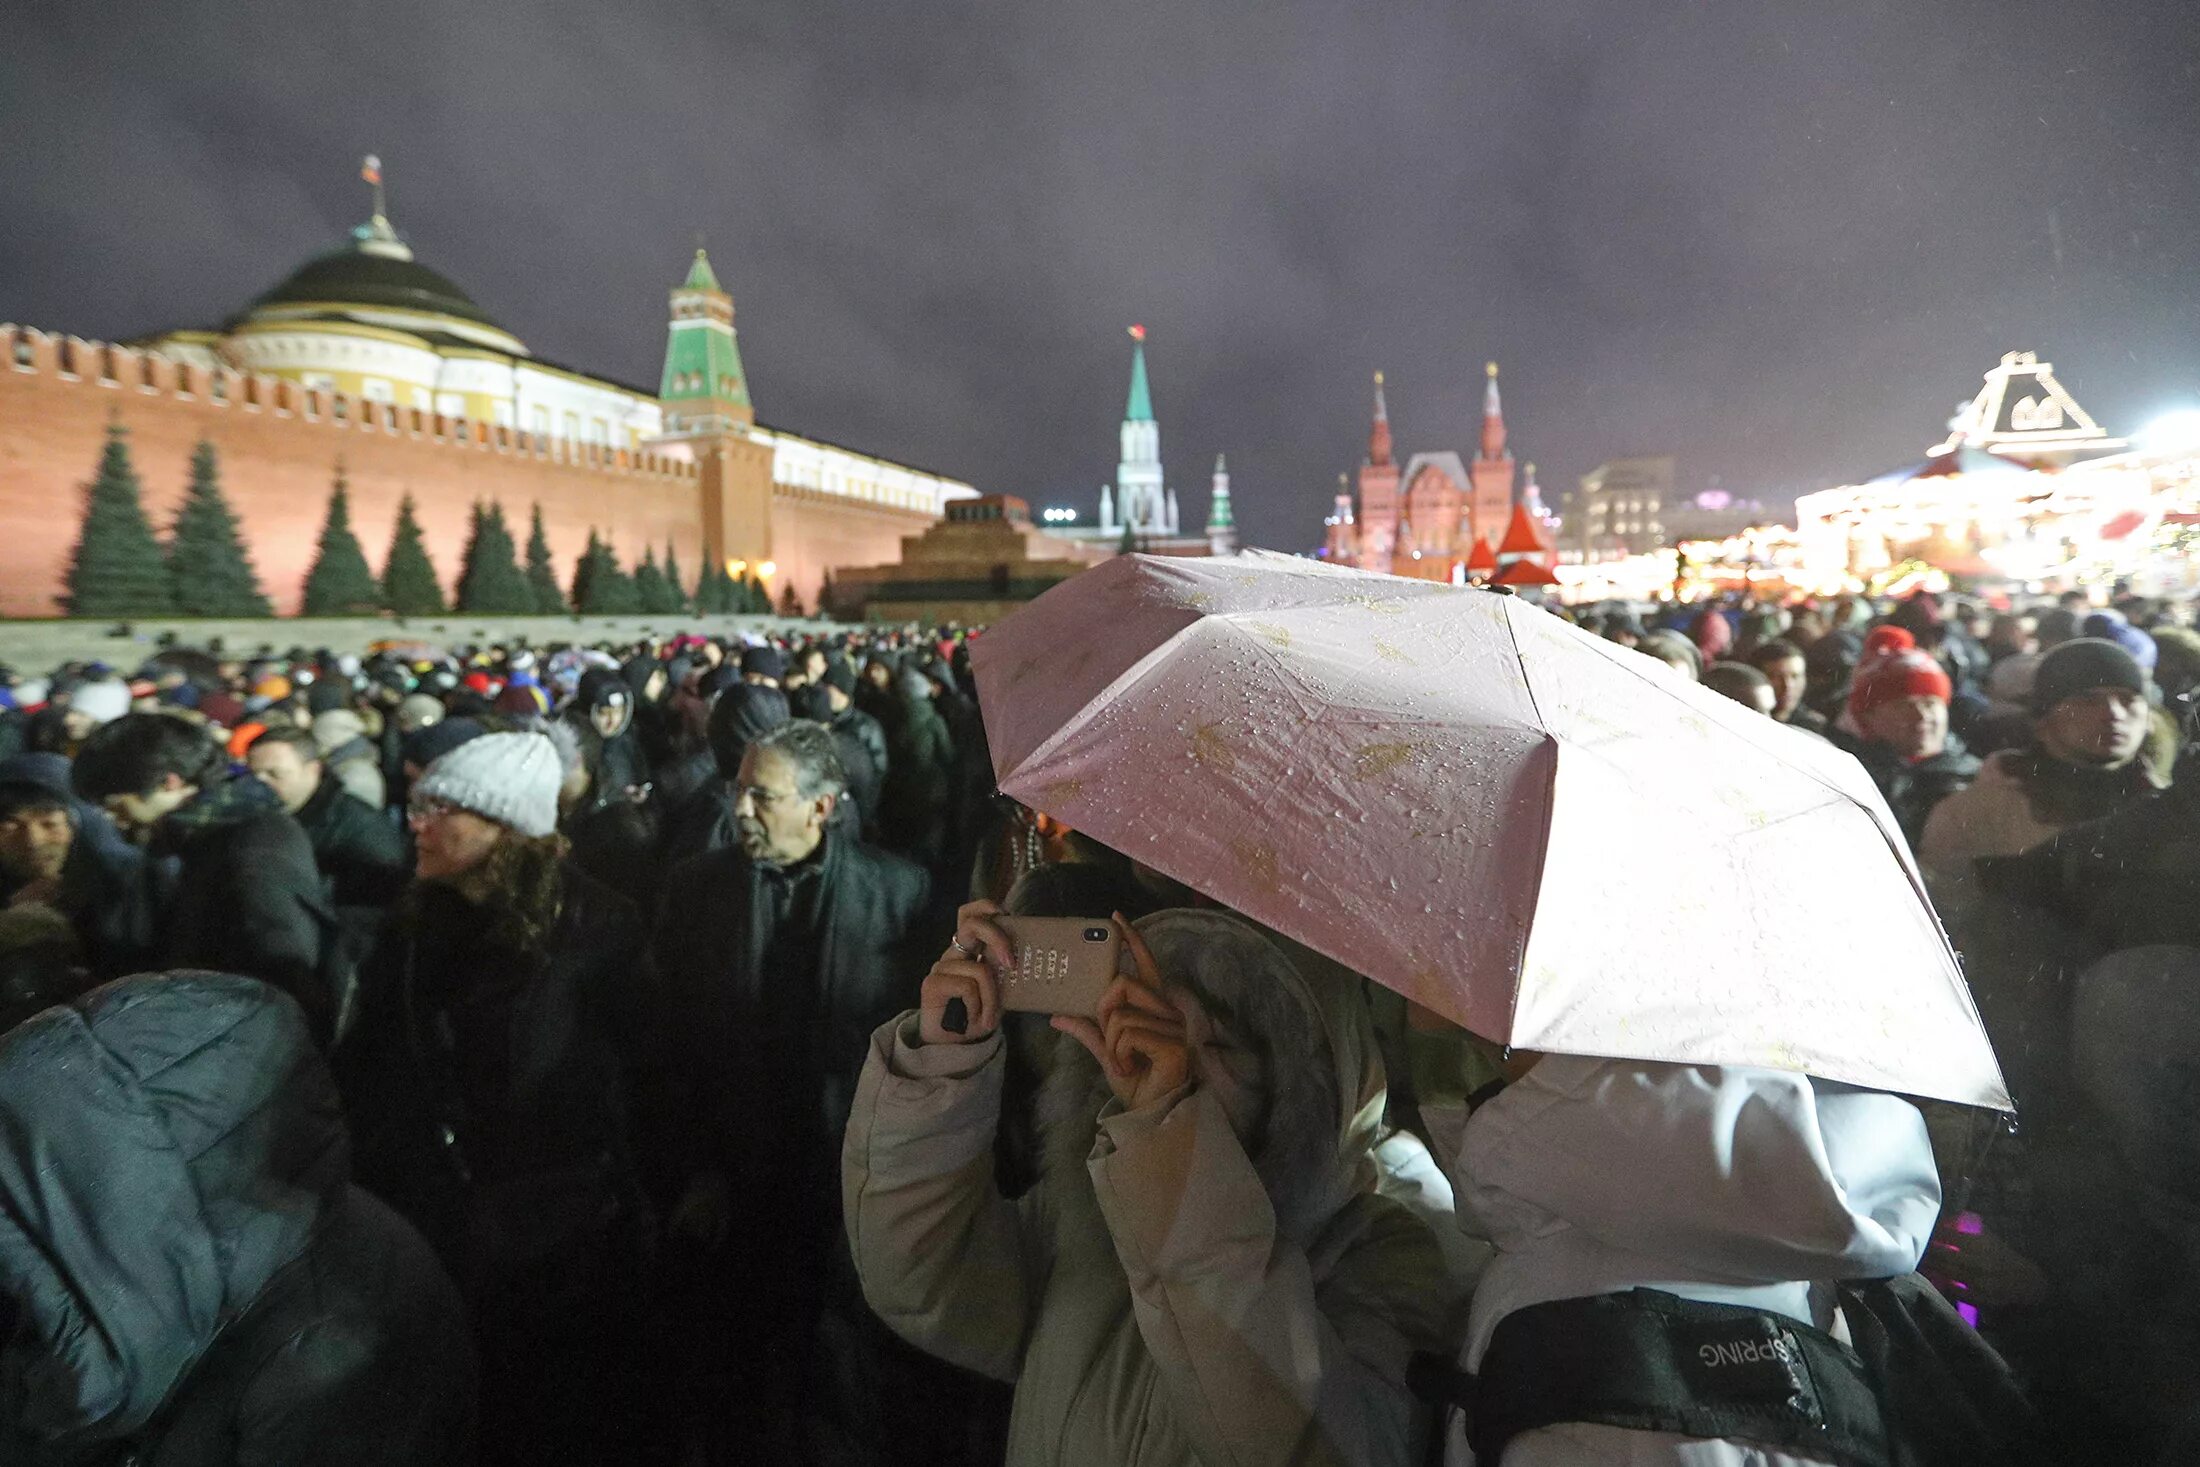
360, 277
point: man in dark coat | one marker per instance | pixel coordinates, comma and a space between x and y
198, 1283
63, 852
812, 941
232, 882
358, 849
852, 725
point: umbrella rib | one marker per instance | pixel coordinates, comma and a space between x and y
1092, 706
1550, 798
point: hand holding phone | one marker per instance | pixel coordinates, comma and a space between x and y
960, 1001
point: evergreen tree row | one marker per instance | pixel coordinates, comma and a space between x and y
121, 568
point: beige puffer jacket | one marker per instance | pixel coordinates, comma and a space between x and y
1154, 1298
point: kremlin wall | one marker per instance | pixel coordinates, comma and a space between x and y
366, 360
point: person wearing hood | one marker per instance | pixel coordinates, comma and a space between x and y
704, 820
352, 759
493, 1078
852, 725
605, 702
229, 881
915, 805
194, 1280
1770, 1188
2091, 717
1206, 1270
1896, 725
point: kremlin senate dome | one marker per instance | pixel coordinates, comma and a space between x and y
370, 321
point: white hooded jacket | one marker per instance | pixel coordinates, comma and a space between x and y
1727, 1185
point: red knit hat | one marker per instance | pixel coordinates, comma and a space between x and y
1884, 641
1888, 679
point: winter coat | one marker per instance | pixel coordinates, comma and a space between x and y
2020, 798
765, 1076
358, 849
240, 893
350, 757
914, 806
1728, 1185
1911, 790
1160, 1296
198, 1281
493, 1090
862, 746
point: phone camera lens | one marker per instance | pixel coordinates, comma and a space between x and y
1096, 934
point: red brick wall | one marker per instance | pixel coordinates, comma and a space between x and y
279, 446
812, 531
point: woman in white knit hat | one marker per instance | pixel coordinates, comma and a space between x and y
492, 1084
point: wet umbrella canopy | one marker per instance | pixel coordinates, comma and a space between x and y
1454, 793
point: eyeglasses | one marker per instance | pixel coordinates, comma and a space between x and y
425, 810
761, 796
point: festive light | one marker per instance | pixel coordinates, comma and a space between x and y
766, 569
737, 568
2173, 432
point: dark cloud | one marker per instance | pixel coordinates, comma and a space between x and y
1777, 239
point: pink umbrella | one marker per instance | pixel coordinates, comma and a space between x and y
1535, 832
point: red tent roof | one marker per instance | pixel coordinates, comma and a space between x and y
1481, 560
1524, 573
1522, 536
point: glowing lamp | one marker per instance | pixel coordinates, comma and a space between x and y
2174, 432
737, 568
766, 569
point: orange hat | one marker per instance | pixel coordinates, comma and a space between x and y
274, 687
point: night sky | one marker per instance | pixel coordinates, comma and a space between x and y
1778, 239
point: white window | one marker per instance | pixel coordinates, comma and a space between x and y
500, 413
538, 421
571, 427
377, 389
451, 404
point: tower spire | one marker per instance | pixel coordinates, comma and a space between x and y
376, 237
1493, 418
1140, 407
1378, 433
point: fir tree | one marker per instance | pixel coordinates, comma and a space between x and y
409, 586
652, 591
755, 600
492, 583
213, 575
789, 603
610, 589
340, 583
542, 576
677, 588
710, 590
584, 569
117, 568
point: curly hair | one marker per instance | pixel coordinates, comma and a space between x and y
519, 887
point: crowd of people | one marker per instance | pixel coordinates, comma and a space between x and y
563, 1054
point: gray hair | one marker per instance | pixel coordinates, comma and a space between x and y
816, 759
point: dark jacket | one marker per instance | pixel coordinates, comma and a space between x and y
492, 1088
198, 1280
920, 780
862, 747
1912, 790
360, 852
242, 893
770, 1060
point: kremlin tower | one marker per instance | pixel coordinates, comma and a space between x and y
1139, 511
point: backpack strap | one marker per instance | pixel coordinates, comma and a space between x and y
1652, 1361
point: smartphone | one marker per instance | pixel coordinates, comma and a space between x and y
1063, 964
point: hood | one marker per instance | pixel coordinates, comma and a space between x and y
1323, 1073
741, 715
230, 799
1702, 1172
336, 728
167, 1143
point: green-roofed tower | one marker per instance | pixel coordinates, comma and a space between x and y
1140, 408
1140, 501
704, 388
